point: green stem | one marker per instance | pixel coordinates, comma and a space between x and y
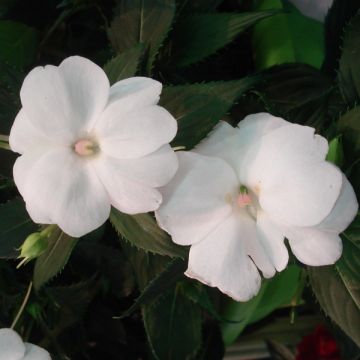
22, 307
4, 138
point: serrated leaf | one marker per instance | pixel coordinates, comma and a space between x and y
199, 107
287, 38
273, 293
349, 73
349, 126
297, 92
15, 226
124, 65
54, 259
173, 326
173, 271
338, 16
201, 35
142, 22
335, 300
142, 231
18, 43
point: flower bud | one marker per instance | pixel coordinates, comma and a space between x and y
34, 245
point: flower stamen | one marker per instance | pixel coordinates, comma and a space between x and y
86, 147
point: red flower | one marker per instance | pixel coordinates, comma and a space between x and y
320, 345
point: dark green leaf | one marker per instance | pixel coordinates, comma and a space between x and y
349, 126
338, 16
142, 231
296, 92
335, 300
18, 43
349, 72
15, 226
199, 107
173, 326
54, 259
173, 271
335, 154
124, 65
142, 22
191, 6
200, 35
287, 38
273, 293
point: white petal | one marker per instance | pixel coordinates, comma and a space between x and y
231, 144
87, 86
194, 202
64, 186
314, 247
153, 170
24, 136
63, 102
135, 92
11, 345
21, 170
280, 151
34, 352
303, 196
220, 260
272, 239
135, 134
344, 211
127, 195
253, 245
313, 9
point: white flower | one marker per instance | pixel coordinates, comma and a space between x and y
316, 9
13, 348
86, 146
243, 190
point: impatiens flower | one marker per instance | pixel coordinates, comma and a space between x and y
85, 145
316, 9
243, 190
13, 348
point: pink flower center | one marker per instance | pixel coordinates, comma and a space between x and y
243, 200
86, 147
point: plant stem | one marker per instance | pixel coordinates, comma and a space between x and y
4, 138
22, 307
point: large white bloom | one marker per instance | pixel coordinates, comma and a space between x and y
13, 348
316, 9
243, 190
86, 146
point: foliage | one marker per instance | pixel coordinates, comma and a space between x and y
120, 292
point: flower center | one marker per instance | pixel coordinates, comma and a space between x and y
245, 200
86, 147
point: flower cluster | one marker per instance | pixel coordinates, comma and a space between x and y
235, 198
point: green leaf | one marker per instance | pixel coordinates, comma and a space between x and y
199, 107
349, 73
15, 226
297, 92
124, 65
201, 35
289, 37
173, 326
173, 271
191, 6
18, 43
349, 126
335, 154
273, 293
338, 16
142, 231
54, 259
335, 300
142, 22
